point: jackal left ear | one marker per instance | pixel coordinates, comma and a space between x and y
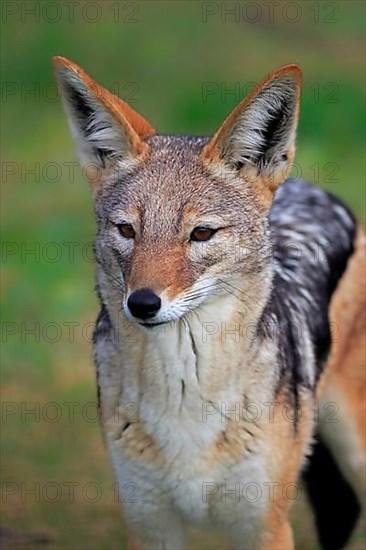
104, 127
258, 137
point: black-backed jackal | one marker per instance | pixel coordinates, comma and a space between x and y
220, 288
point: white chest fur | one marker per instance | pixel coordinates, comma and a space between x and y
182, 382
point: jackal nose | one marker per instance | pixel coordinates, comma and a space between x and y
143, 303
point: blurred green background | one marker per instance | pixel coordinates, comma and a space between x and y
183, 65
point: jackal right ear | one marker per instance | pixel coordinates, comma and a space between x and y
104, 127
258, 137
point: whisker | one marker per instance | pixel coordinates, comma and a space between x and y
245, 294
199, 291
114, 280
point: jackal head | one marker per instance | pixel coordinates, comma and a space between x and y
181, 220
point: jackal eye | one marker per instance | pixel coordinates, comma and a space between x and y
126, 230
202, 233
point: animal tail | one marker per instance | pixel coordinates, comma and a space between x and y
335, 504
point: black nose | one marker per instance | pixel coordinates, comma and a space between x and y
143, 303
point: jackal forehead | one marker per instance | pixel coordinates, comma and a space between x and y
173, 186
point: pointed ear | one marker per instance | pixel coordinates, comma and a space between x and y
258, 137
104, 127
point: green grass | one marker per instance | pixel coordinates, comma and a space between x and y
162, 63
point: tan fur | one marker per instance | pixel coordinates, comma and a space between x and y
211, 152
348, 318
264, 186
119, 108
284, 459
160, 269
344, 381
136, 127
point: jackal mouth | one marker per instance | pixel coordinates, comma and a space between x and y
152, 325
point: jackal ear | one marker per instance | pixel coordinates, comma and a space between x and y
258, 137
103, 125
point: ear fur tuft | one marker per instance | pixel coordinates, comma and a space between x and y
259, 135
103, 125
